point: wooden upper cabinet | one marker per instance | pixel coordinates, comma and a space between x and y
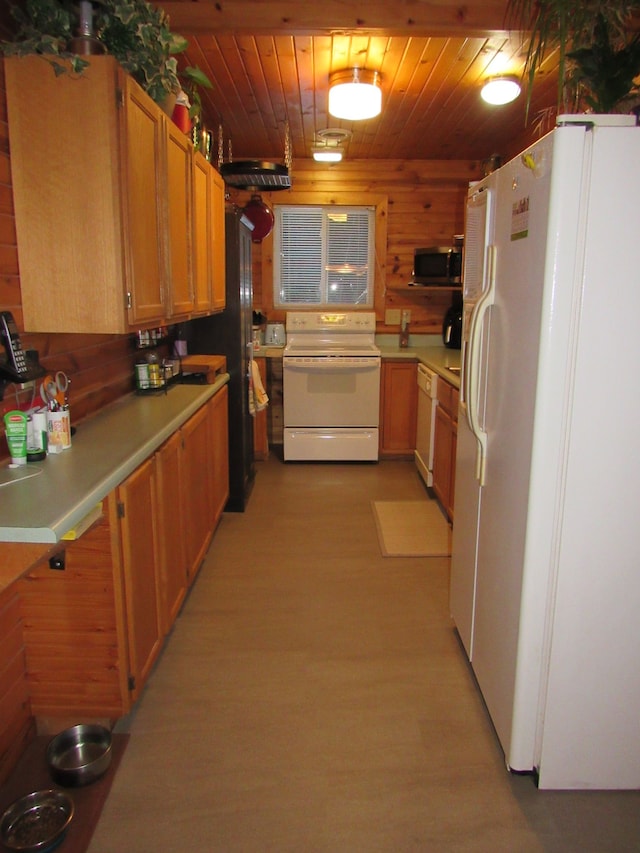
201, 231
179, 153
142, 194
208, 238
103, 199
217, 243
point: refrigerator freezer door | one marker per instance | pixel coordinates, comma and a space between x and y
479, 234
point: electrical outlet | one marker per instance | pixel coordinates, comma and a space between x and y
392, 317
28, 386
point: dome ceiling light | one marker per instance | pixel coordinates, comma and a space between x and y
500, 90
355, 94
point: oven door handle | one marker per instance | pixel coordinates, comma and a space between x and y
330, 365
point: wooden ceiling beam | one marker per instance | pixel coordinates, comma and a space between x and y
483, 18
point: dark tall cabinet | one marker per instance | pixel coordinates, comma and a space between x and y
229, 334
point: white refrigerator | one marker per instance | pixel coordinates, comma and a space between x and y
545, 568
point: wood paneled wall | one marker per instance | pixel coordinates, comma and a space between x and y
423, 203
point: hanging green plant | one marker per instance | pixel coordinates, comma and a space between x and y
135, 32
602, 74
567, 26
44, 27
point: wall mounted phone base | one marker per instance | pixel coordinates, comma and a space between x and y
16, 366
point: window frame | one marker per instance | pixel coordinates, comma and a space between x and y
264, 279
320, 250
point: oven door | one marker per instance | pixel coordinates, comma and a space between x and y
331, 391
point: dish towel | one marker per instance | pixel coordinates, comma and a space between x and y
258, 399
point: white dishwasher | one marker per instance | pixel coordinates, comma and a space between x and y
427, 402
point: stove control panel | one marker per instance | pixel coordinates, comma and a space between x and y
331, 321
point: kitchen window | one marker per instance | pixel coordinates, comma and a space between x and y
323, 256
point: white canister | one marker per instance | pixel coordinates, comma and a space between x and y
58, 430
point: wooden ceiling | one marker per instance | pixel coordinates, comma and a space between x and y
270, 62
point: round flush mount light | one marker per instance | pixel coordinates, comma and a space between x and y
355, 94
500, 90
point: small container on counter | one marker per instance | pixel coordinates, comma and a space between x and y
156, 378
143, 382
15, 427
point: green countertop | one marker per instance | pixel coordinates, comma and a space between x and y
438, 358
433, 355
66, 486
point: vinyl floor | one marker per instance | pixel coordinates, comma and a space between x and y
313, 697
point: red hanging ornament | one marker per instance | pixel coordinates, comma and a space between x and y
261, 217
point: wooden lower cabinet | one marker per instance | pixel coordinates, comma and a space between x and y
136, 507
445, 438
74, 622
219, 443
197, 492
94, 627
170, 530
17, 729
398, 408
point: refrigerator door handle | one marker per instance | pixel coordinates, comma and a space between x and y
472, 375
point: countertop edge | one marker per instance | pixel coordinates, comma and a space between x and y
109, 477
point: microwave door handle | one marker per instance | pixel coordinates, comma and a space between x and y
472, 375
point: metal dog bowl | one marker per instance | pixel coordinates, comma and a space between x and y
79, 755
37, 822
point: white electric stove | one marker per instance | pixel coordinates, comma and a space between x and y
331, 386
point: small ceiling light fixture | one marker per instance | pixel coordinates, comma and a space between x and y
325, 154
329, 144
355, 94
500, 90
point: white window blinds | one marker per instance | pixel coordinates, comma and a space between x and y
324, 255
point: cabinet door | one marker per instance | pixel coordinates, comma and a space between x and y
74, 624
171, 542
202, 248
198, 484
443, 448
142, 192
218, 261
137, 497
68, 151
398, 408
178, 173
219, 438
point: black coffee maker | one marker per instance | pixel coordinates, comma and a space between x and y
452, 323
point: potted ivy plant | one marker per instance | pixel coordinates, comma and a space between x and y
598, 59
136, 33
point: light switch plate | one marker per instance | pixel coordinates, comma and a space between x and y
392, 317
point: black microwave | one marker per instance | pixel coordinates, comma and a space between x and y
437, 265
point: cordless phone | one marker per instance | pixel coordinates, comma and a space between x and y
17, 365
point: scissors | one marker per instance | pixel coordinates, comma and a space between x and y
54, 390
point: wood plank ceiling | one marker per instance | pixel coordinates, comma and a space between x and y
270, 62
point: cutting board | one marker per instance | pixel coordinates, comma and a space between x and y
211, 365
